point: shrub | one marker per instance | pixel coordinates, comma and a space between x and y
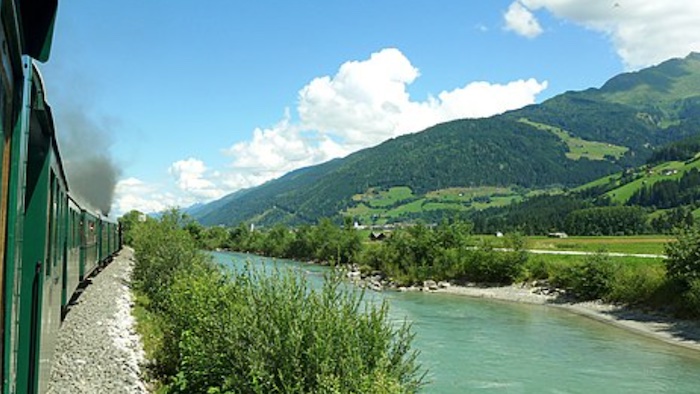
636, 284
262, 332
162, 247
252, 331
593, 279
683, 262
487, 265
692, 298
537, 269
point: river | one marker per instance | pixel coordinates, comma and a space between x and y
489, 346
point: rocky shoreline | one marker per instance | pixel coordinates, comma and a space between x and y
684, 333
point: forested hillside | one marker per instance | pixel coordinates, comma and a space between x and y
567, 141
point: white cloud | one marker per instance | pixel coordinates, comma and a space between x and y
643, 32
190, 177
364, 103
367, 102
275, 151
521, 21
132, 193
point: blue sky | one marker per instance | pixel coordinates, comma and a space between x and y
193, 100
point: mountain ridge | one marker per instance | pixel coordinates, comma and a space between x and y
529, 148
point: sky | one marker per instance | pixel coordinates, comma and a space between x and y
188, 100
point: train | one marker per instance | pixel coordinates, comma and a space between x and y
50, 242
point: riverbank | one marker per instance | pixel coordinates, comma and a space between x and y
685, 333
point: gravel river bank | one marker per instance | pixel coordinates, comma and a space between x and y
98, 349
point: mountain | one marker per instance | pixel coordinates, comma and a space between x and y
566, 141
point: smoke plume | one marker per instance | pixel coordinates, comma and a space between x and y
84, 144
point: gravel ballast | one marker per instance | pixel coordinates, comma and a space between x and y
98, 349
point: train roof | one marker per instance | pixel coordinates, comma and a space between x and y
37, 19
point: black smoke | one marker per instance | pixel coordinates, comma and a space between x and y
84, 144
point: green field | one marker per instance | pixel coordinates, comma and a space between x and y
578, 147
641, 244
377, 198
672, 170
379, 206
562, 259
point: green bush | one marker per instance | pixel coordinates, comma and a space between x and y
692, 298
162, 247
593, 279
487, 265
267, 332
636, 284
683, 262
536, 268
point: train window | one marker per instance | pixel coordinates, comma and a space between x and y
51, 226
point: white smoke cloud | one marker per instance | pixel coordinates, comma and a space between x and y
643, 32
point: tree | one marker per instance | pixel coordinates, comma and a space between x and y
683, 262
128, 223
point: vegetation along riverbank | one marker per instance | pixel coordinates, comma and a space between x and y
655, 296
208, 330
281, 331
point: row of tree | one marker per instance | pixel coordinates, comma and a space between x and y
578, 216
410, 255
450, 251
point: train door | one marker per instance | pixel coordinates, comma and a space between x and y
14, 284
6, 121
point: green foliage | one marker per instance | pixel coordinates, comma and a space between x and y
536, 215
162, 247
666, 222
676, 151
692, 298
267, 332
593, 279
252, 331
683, 262
128, 223
669, 193
613, 220
284, 338
683, 266
637, 284
326, 242
486, 265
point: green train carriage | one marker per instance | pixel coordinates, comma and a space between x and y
106, 240
71, 262
49, 244
89, 244
39, 273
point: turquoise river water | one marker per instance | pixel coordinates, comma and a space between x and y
471, 345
